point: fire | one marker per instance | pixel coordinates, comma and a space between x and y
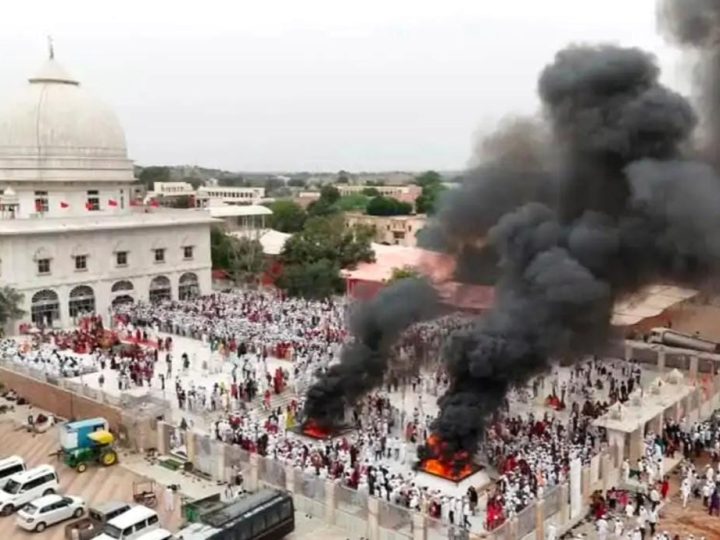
456, 467
312, 429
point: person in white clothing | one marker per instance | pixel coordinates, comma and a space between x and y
602, 528
169, 499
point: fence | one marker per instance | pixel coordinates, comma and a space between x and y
395, 522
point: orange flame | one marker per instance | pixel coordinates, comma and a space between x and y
312, 429
455, 468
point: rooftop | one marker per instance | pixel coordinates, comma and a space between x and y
133, 220
239, 210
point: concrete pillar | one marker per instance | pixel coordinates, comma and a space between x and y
657, 423
636, 445
585, 483
661, 359
252, 478
290, 478
162, 438
514, 528
693, 368
540, 520
419, 526
330, 502
190, 446
220, 453
373, 529
606, 472
564, 503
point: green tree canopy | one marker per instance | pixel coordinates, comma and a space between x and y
371, 192
355, 202
319, 279
432, 188
241, 258
149, 175
312, 258
326, 205
388, 206
403, 273
288, 216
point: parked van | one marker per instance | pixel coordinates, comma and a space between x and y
104, 512
158, 534
21, 488
131, 525
10, 466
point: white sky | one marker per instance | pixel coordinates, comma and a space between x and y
313, 84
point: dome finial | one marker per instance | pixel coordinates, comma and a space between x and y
51, 48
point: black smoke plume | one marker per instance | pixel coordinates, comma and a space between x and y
695, 25
375, 325
621, 209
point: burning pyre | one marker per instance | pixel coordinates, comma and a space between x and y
436, 460
315, 430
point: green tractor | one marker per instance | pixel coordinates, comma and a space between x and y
101, 451
86, 441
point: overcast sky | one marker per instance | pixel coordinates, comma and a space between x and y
313, 84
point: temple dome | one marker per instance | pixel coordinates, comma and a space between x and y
56, 131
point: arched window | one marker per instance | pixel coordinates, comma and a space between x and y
160, 289
120, 286
188, 287
82, 301
45, 307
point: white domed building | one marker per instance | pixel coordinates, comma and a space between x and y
72, 239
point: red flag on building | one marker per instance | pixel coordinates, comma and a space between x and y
135, 202
63, 204
154, 203
38, 206
88, 205
112, 202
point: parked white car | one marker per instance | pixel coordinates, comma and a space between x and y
48, 510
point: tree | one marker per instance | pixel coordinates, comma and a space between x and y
343, 177
10, 301
371, 192
325, 205
319, 279
288, 216
432, 188
296, 182
403, 273
246, 258
241, 258
356, 201
313, 257
149, 175
388, 206
329, 193
428, 178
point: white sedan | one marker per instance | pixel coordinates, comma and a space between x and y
48, 510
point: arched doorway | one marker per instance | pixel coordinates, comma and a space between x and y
82, 301
160, 289
45, 307
188, 287
121, 300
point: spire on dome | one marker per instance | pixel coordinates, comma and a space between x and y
52, 71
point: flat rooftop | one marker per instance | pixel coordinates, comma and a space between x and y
105, 221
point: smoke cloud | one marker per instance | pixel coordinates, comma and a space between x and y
375, 325
695, 25
621, 210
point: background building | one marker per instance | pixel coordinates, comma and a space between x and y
72, 238
406, 193
390, 230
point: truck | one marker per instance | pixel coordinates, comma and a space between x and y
268, 514
673, 338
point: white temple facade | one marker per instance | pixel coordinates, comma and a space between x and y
72, 239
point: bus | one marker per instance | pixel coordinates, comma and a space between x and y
268, 514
